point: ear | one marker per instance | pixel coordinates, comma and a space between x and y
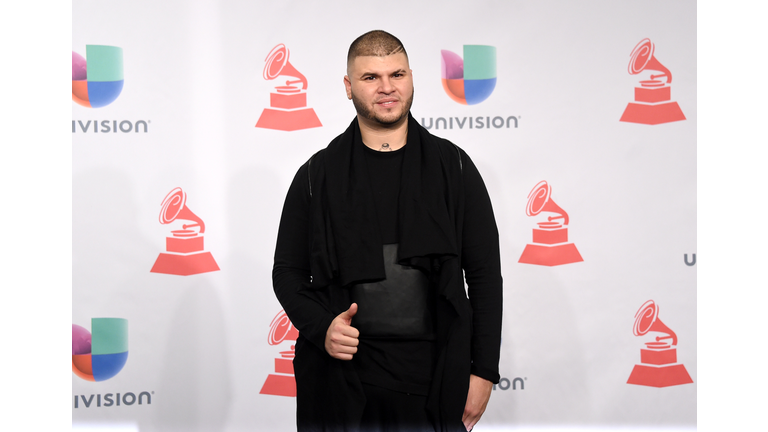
348, 86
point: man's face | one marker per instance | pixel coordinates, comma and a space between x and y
381, 88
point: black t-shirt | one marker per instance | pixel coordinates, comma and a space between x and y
384, 171
403, 365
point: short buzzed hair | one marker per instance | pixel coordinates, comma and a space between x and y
377, 43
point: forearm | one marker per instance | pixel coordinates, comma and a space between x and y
291, 274
482, 267
485, 294
308, 315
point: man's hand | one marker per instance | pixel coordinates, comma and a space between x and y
341, 338
477, 398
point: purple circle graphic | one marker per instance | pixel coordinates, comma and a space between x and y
81, 340
78, 67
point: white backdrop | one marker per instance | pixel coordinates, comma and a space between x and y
198, 344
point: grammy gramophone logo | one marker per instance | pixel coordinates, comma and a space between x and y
288, 109
184, 250
658, 360
653, 99
550, 245
282, 382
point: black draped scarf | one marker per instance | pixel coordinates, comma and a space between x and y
346, 240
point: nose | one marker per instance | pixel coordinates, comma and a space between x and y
385, 85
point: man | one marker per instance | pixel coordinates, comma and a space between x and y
377, 233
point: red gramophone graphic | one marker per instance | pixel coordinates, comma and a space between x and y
652, 103
550, 240
282, 382
288, 103
658, 361
185, 253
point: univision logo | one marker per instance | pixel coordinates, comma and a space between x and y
97, 79
100, 355
471, 80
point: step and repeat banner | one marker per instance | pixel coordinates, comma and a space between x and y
190, 119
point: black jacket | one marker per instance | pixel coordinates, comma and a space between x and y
326, 243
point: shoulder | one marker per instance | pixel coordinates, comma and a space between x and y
313, 169
332, 148
313, 164
309, 172
448, 150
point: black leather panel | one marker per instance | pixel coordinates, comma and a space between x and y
397, 307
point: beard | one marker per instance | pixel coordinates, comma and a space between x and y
392, 118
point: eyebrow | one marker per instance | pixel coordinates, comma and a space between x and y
401, 70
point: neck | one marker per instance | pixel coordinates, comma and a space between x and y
383, 138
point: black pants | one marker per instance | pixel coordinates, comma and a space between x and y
391, 411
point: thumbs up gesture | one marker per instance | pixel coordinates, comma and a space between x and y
341, 338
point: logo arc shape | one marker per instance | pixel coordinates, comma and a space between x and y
102, 354
471, 80
97, 78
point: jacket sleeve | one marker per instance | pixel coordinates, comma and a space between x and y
482, 269
291, 273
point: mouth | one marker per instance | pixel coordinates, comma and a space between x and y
387, 103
